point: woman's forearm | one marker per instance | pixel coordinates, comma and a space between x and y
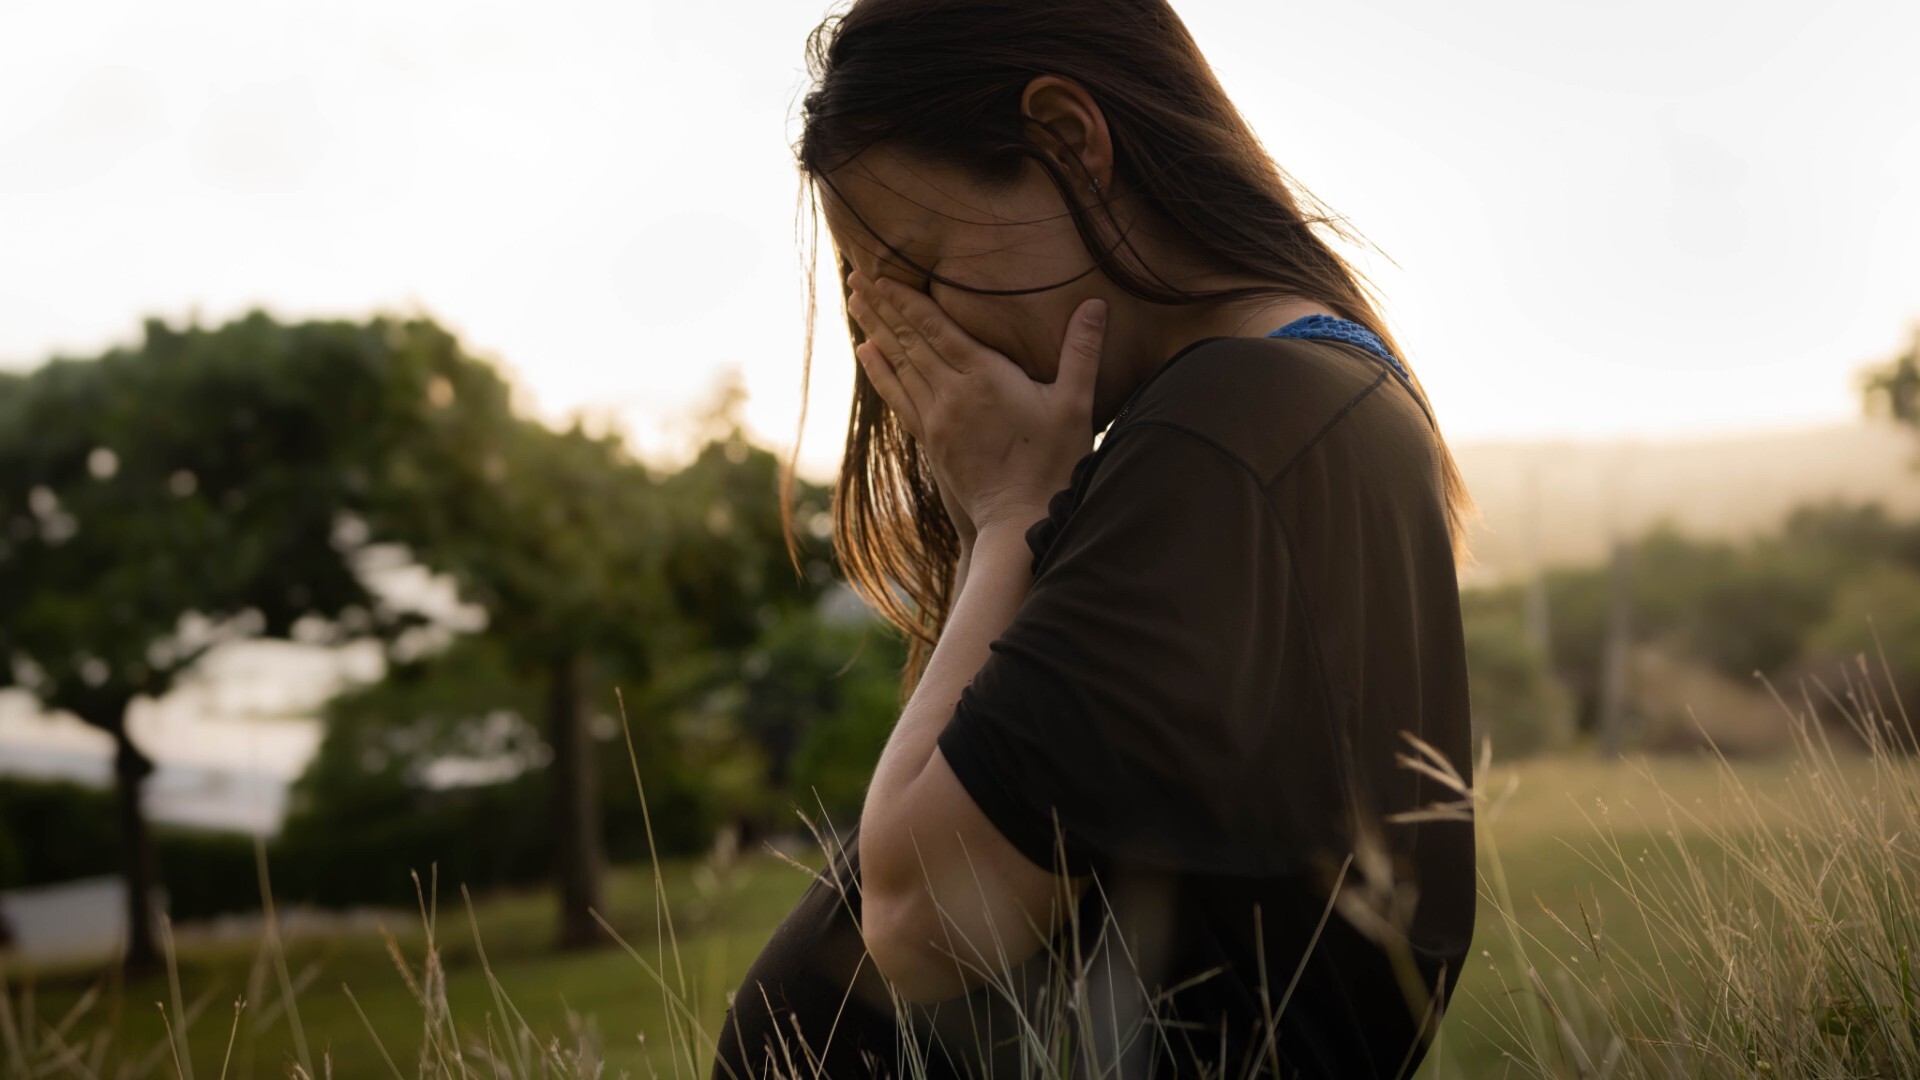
985, 604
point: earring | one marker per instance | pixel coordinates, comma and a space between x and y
1094, 184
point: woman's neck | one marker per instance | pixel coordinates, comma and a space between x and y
1143, 335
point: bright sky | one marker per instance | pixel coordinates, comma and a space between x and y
1652, 217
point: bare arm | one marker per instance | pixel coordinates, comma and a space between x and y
938, 880
960, 567
937, 875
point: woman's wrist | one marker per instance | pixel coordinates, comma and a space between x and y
960, 568
1009, 533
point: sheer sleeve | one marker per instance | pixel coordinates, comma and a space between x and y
1146, 688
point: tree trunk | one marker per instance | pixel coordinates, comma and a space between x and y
1614, 675
579, 861
139, 865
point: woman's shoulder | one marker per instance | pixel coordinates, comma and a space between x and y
1272, 401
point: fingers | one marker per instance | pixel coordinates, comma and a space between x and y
922, 326
898, 355
880, 373
1080, 353
927, 335
898, 382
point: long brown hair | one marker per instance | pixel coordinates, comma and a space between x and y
943, 79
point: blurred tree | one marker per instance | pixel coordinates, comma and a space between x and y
370, 797
1614, 673
1892, 388
1738, 608
801, 719
206, 486
437, 762
1517, 700
727, 568
746, 680
1753, 611
1847, 532
1876, 616
211, 485
592, 575
834, 760
1580, 597
561, 538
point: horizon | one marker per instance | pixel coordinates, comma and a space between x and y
673, 449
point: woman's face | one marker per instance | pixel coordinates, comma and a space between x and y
1017, 238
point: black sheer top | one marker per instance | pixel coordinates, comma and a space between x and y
1243, 599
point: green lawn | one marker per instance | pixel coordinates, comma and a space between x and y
1545, 834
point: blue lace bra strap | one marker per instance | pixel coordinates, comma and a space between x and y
1337, 329
1327, 326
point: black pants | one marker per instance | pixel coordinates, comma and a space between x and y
812, 1003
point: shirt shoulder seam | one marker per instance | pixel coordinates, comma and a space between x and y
1335, 419
1399, 374
1264, 482
1197, 434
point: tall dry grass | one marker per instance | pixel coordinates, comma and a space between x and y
1776, 949
1784, 926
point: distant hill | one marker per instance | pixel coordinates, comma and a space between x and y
1576, 492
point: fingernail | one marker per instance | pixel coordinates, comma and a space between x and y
1096, 314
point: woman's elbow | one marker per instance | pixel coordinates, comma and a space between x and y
905, 952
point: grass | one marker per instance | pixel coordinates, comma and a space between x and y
718, 937
1766, 925
1651, 917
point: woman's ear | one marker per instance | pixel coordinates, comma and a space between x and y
1064, 108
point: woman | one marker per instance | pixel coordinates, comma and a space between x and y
1151, 772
